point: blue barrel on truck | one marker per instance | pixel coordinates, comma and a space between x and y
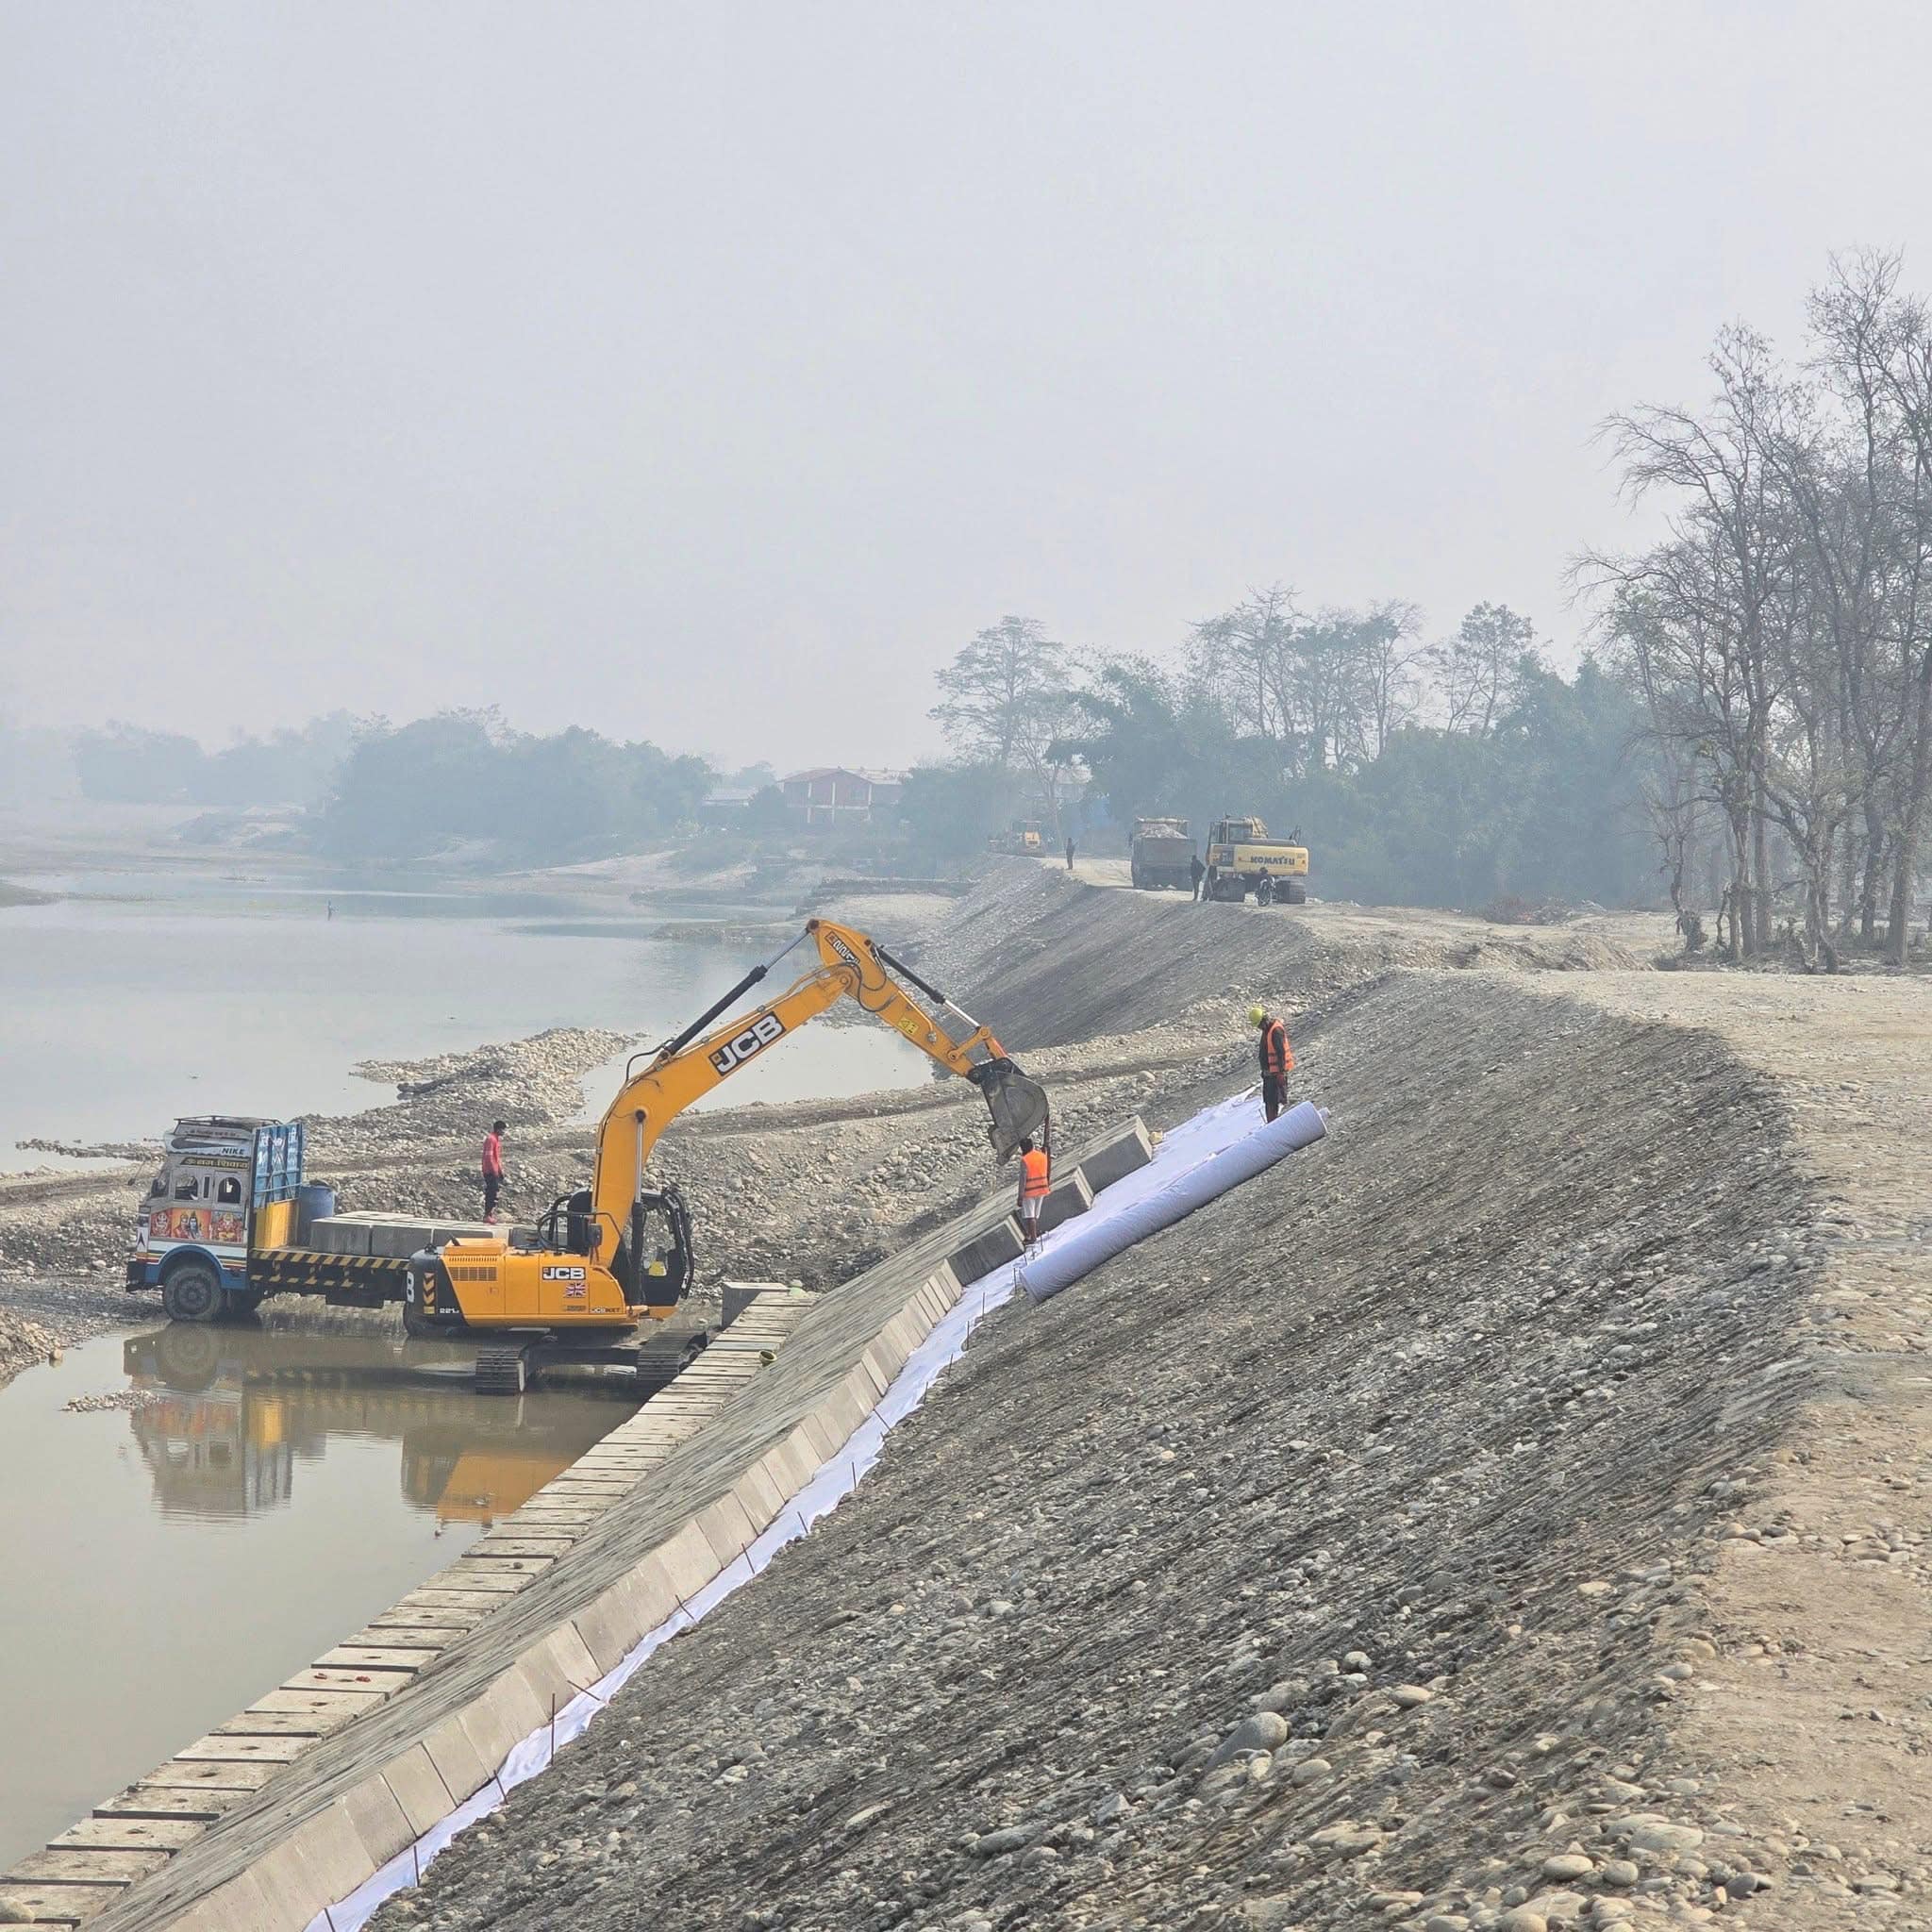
314, 1202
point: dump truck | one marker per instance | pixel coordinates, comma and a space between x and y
1162, 854
1242, 859
230, 1218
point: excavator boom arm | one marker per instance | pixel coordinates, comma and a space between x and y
850, 966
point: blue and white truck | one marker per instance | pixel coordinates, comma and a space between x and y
230, 1218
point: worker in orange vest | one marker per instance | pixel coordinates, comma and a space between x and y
1036, 1178
1277, 1059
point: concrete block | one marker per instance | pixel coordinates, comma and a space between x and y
399, 1240
413, 1638
128, 1835
457, 1762
245, 1750
177, 1804
380, 1823
405, 1615
477, 1603
1068, 1196
739, 1295
278, 1724
612, 1622
203, 1776
485, 1578
839, 1413
1112, 1155
688, 1559
418, 1789
443, 1232
940, 1293
759, 1496
790, 1464
876, 1381
905, 1332
727, 1529
337, 1234
328, 1678
500, 1542
561, 1662
320, 1861
823, 1442
507, 1711
237, 1907
982, 1253
370, 1657
56, 1905
67, 1866
337, 1705
882, 1361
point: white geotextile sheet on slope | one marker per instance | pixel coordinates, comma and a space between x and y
1196, 1140
1093, 1240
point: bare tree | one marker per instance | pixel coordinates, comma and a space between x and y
1238, 658
1389, 662
1477, 672
1713, 583
1006, 702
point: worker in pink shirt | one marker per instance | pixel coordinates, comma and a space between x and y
493, 1168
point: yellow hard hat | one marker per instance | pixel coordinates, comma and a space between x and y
1256, 1015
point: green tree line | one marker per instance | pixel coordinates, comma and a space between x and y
1448, 773
372, 789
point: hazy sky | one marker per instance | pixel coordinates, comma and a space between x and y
712, 373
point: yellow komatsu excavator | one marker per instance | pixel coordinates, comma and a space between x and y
619, 1253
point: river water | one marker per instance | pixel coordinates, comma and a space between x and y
272, 1490
141, 996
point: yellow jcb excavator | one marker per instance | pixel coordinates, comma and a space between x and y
619, 1253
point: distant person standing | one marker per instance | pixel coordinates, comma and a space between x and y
1070, 855
1197, 871
493, 1168
1277, 1059
1036, 1180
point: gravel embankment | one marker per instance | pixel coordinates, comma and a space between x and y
1307, 1566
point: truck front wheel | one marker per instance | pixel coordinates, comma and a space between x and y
192, 1293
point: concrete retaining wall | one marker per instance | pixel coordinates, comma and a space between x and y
294, 1803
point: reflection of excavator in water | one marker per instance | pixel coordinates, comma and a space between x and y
226, 1414
620, 1252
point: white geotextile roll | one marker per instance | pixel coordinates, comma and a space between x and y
1082, 1247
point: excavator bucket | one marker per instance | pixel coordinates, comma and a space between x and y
1018, 1107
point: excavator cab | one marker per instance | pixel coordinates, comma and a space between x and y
653, 1255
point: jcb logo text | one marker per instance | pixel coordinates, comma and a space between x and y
755, 1039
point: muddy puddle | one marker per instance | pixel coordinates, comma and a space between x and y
250, 1497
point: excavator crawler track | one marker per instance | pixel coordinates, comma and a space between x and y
656, 1372
501, 1371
